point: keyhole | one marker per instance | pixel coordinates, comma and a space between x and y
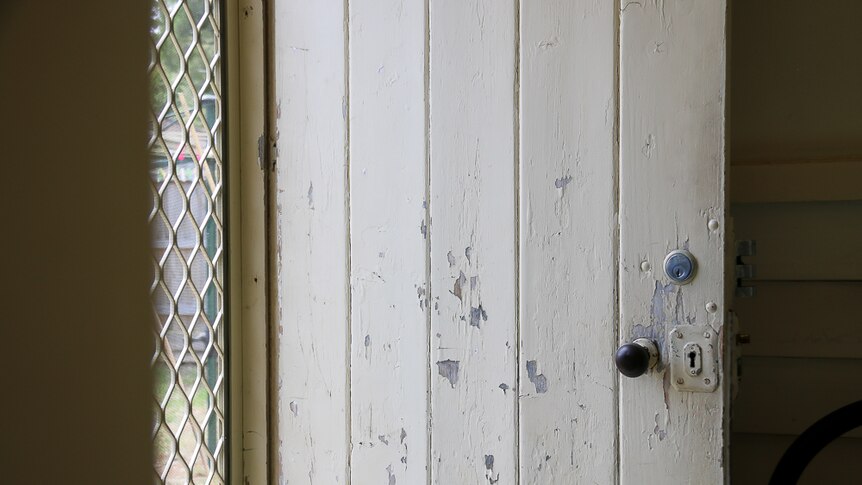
678, 272
691, 356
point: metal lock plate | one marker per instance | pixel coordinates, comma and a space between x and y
693, 358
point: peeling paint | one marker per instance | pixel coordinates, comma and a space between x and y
468, 252
477, 316
504, 387
489, 470
660, 316
459, 285
548, 43
667, 309
562, 181
273, 151
666, 391
660, 433
420, 293
657, 306
449, 370
383, 439
538, 380
451, 258
310, 195
261, 152
391, 475
678, 309
649, 146
294, 408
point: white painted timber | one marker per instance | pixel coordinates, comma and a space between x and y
389, 292
672, 183
473, 241
310, 247
568, 414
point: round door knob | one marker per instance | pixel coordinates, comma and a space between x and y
636, 358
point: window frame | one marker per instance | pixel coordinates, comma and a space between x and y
246, 262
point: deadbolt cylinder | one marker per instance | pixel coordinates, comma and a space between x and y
680, 266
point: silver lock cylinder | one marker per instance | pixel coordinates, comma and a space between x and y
680, 266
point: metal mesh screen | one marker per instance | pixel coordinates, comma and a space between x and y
187, 242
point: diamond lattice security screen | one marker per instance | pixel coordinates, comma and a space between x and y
187, 242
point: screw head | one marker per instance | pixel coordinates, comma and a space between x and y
707, 335
712, 225
645, 266
711, 307
706, 381
680, 381
678, 334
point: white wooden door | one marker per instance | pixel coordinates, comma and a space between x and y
464, 195
673, 67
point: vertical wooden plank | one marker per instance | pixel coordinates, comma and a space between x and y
672, 183
310, 248
389, 302
473, 234
568, 242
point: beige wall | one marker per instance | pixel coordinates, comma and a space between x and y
75, 381
795, 77
796, 146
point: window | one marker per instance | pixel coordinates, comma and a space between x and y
188, 251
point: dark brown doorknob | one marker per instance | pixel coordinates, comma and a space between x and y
636, 358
